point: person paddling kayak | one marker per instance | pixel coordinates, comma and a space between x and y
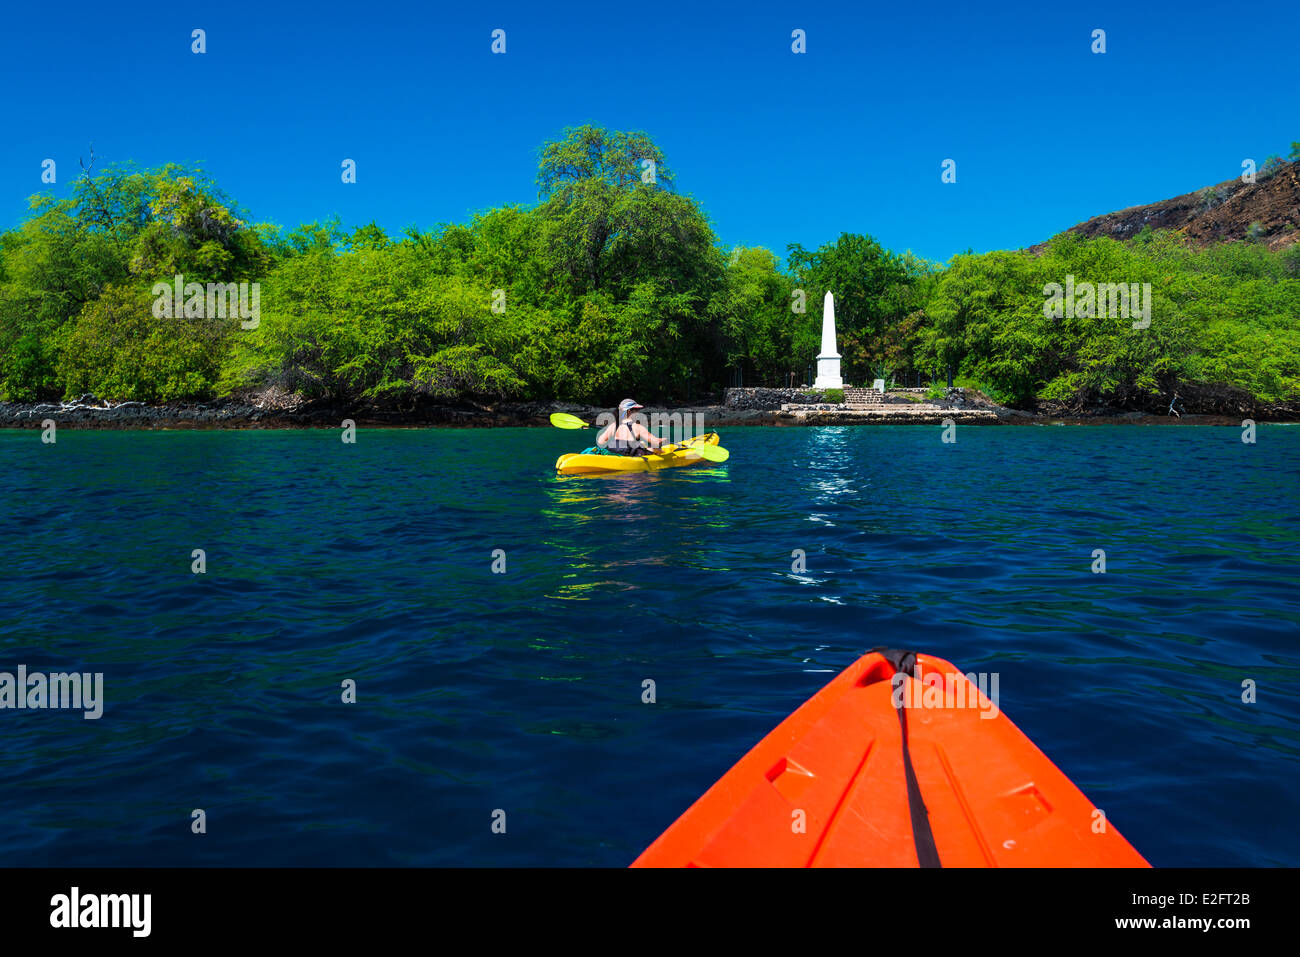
625, 436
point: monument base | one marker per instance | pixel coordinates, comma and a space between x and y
828, 373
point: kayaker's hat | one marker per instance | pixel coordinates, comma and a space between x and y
626, 406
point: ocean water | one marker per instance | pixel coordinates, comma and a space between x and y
521, 692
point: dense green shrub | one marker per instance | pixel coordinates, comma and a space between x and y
118, 350
1225, 314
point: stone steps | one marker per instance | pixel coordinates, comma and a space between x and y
860, 398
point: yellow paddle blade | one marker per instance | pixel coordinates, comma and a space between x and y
562, 420
711, 453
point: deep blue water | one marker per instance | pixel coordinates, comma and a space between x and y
522, 692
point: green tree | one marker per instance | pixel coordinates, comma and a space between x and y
762, 335
619, 241
875, 292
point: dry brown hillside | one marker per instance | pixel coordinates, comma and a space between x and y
1216, 214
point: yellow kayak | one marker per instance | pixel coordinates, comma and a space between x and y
669, 456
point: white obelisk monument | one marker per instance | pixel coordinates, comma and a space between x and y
828, 360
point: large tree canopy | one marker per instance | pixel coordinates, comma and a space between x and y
87, 259
589, 154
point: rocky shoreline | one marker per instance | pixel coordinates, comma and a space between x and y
255, 412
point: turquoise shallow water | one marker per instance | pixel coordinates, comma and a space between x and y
522, 691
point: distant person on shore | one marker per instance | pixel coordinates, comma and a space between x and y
625, 436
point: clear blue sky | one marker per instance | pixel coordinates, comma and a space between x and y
778, 147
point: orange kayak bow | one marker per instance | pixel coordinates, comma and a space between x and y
900, 761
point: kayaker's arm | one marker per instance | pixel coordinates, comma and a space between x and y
642, 433
606, 434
